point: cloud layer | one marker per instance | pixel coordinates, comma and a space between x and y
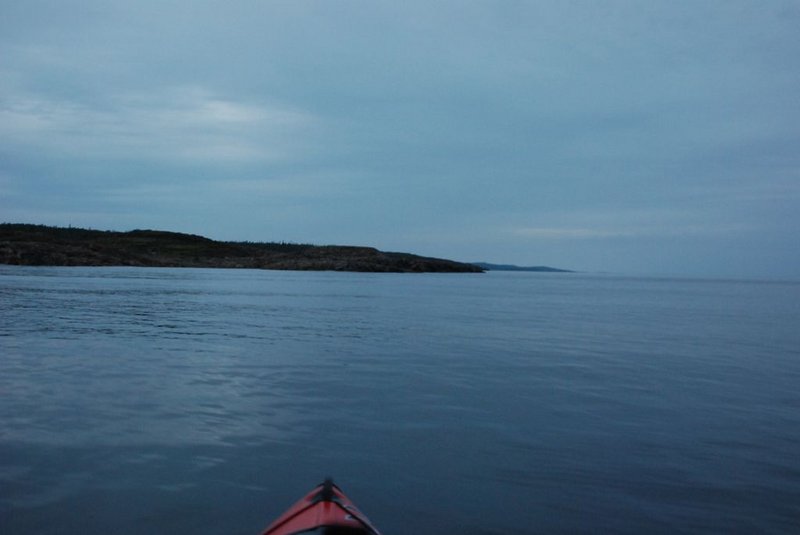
612, 136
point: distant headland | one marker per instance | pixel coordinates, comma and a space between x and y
509, 267
39, 245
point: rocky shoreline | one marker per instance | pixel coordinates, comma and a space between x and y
39, 245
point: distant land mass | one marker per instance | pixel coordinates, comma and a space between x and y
509, 267
40, 245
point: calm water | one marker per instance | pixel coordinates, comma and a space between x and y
154, 401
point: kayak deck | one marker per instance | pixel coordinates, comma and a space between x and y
326, 510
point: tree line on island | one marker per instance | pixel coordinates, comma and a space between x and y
41, 245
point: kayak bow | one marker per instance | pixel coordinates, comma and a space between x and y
323, 511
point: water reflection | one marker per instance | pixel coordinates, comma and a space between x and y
206, 400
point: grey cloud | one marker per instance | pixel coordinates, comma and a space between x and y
387, 123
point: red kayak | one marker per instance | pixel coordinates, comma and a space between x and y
323, 511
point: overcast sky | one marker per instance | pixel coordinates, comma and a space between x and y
629, 137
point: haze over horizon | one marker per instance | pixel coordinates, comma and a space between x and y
657, 137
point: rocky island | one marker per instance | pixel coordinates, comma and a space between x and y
39, 245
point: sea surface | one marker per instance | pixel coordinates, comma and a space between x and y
169, 401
